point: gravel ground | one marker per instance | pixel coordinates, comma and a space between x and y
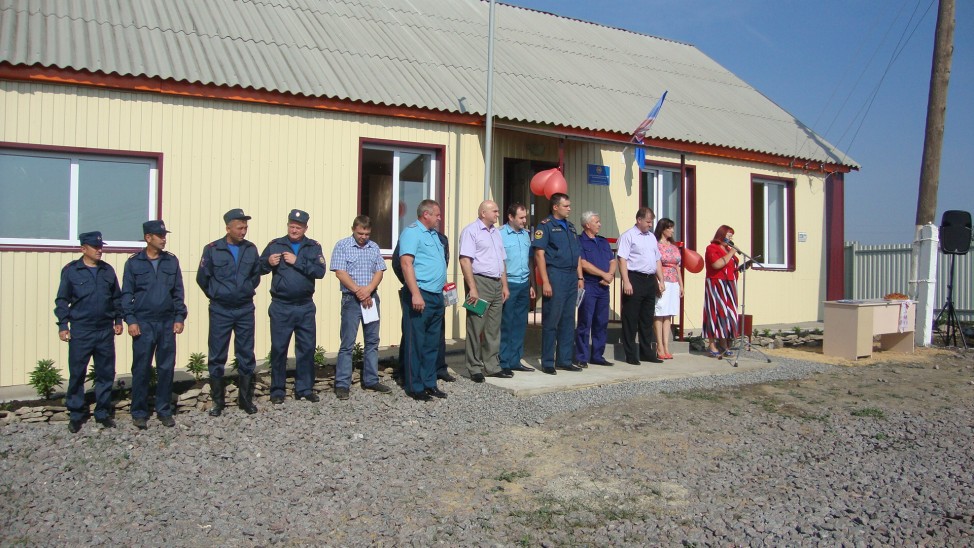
800, 454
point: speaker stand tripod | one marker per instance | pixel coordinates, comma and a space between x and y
744, 341
947, 312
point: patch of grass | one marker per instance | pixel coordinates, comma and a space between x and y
511, 476
813, 417
768, 405
881, 436
871, 412
705, 395
529, 455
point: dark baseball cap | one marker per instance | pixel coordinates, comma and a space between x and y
298, 216
235, 215
154, 227
91, 238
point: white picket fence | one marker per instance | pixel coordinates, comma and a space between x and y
872, 271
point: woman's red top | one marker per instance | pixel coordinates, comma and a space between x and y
713, 254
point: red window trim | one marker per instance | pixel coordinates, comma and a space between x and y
157, 156
791, 237
439, 151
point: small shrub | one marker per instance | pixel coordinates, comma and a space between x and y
797, 330
45, 378
320, 356
233, 364
197, 365
358, 356
766, 333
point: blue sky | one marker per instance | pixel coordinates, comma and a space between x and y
821, 60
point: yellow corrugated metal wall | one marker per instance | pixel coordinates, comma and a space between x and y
268, 159
217, 155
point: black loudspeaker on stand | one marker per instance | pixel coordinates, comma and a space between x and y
955, 239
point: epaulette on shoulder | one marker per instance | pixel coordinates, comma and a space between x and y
132, 256
211, 244
545, 221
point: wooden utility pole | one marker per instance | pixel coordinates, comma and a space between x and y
924, 256
933, 141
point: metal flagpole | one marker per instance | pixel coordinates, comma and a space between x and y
488, 146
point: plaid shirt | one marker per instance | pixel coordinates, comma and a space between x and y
361, 263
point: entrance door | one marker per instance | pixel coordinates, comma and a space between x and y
517, 188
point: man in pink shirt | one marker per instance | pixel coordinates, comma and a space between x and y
482, 258
641, 269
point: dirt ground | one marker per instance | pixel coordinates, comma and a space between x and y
635, 460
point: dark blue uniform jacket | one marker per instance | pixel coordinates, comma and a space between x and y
560, 246
88, 301
153, 295
294, 283
231, 284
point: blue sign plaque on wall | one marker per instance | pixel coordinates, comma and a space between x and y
598, 175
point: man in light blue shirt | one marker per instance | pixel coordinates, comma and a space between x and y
514, 321
358, 264
424, 272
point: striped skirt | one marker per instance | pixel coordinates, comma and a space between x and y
720, 319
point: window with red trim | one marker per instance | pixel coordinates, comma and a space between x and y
48, 197
394, 180
773, 222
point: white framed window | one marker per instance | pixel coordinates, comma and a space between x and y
47, 198
662, 192
772, 223
394, 181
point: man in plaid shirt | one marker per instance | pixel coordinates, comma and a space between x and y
358, 264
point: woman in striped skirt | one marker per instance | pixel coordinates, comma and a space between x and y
720, 321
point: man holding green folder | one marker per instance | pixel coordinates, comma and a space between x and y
485, 277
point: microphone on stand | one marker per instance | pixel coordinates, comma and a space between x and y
730, 243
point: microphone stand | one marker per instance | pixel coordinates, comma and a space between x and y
744, 340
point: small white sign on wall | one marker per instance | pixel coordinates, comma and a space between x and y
803, 236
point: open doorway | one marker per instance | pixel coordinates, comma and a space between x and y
517, 188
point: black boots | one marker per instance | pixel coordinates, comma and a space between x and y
245, 392
217, 396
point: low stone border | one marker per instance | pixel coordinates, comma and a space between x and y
194, 399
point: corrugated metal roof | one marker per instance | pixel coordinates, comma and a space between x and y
415, 53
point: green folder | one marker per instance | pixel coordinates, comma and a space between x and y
478, 308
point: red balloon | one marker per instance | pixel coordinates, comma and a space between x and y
692, 261
555, 184
539, 180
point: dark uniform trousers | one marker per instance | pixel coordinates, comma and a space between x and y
299, 319
593, 323
558, 318
638, 311
405, 342
424, 332
157, 339
85, 344
239, 321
